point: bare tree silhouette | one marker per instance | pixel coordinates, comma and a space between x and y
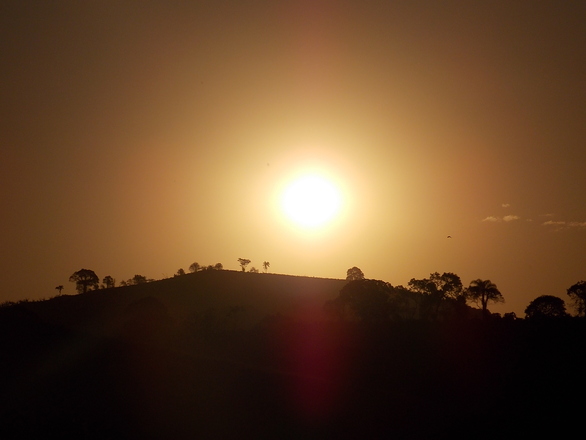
266, 266
59, 288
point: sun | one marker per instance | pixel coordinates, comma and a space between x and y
311, 201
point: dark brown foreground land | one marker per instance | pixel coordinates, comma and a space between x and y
219, 357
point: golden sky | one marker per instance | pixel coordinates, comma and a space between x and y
139, 137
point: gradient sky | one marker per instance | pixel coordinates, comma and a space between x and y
137, 137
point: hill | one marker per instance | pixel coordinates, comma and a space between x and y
213, 294
224, 354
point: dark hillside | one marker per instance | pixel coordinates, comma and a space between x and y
234, 355
214, 292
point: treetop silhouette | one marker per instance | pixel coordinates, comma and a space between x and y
354, 273
84, 279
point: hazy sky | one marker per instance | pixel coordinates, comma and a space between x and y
137, 137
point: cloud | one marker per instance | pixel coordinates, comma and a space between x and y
564, 224
577, 224
506, 218
551, 222
506, 205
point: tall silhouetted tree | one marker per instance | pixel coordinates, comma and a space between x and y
243, 263
578, 294
266, 265
194, 267
545, 307
59, 288
435, 290
109, 282
354, 273
483, 292
84, 279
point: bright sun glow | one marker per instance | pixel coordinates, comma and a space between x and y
311, 201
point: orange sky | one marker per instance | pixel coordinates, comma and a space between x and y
139, 137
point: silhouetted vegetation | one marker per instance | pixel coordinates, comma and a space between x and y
108, 282
84, 279
226, 354
482, 292
354, 273
436, 292
136, 280
546, 307
577, 293
243, 263
195, 267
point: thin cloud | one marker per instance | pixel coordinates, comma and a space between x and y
564, 225
577, 224
551, 222
506, 205
506, 218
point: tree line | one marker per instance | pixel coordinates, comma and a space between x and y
438, 296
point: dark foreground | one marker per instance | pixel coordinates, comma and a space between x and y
291, 378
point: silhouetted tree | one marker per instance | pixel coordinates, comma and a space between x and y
577, 293
546, 307
266, 266
138, 279
59, 288
435, 290
370, 300
180, 272
253, 270
243, 263
483, 292
109, 282
84, 279
219, 266
194, 267
354, 273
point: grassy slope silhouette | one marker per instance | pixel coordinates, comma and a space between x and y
212, 291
